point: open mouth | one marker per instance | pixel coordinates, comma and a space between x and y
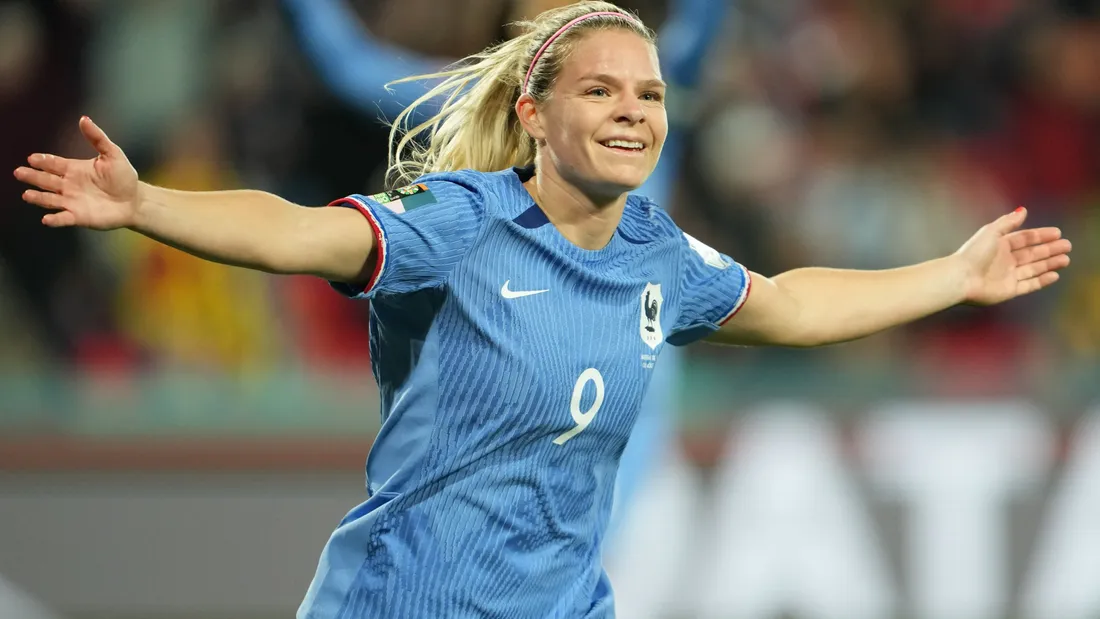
624, 146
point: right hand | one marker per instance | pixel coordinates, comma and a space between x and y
101, 193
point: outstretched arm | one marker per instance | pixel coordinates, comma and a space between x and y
245, 228
818, 306
686, 39
354, 64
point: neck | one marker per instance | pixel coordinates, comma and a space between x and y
585, 220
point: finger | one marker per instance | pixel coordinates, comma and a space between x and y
50, 163
96, 137
1037, 283
1037, 268
44, 198
64, 219
1033, 236
42, 180
1042, 252
1008, 223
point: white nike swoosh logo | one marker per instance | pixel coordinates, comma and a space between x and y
515, 294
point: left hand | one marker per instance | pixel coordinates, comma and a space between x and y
1001, 262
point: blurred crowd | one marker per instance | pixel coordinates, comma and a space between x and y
844, 133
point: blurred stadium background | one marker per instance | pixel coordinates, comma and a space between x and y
177, 439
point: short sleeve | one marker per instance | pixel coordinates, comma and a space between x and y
421, 232
713, 287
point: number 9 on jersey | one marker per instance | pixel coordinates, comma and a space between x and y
586, 417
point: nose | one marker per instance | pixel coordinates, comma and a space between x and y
629, 111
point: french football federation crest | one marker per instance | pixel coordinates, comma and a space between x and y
650, 321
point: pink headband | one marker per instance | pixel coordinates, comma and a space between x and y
561, 31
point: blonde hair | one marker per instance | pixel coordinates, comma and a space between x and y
476, 126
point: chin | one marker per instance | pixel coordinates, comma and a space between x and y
610, 180
623, 180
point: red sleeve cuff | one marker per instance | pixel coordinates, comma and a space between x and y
379, 240
744, 296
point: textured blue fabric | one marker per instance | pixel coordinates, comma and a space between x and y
511, 366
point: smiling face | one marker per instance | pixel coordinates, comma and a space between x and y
604, 124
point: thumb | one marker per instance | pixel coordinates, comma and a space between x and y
97, 138
1008, 223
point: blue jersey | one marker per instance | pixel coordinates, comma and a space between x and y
511, 366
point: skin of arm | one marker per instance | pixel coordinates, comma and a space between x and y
244, 228
258, 230
817, 306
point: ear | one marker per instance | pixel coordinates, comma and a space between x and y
529, 117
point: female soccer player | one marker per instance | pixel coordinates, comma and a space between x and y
519, 299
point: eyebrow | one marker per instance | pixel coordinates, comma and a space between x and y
603, 77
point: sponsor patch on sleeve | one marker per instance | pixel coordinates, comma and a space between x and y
405, 198
706, 252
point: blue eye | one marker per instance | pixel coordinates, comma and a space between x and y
652, 96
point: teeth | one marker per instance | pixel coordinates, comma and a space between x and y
625, 144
